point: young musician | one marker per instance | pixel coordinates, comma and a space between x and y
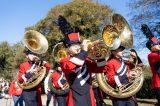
59, 81
77, 67
48, 91
153, 45
98, 93
32, 97
137, 63
136, 60
118, 71
154, 62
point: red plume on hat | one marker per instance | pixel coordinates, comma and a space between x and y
70, 37
147, 32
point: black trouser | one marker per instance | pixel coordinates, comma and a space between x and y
123, 102
99, 101
49, 97
157, 93
30, 97
61, 99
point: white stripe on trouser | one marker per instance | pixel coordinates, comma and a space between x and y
81, 74
83, 81
117, 80
78, 69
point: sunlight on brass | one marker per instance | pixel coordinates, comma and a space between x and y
109, 34
35, 42
124, 30
38, 44
59, 52
119, 29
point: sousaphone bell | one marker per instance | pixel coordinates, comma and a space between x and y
114, 35
37, 43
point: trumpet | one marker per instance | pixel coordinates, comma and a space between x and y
98, 50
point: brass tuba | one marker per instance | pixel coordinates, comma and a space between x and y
38, 44
59, 52
114, 35
61, 91
94, 81
35, 42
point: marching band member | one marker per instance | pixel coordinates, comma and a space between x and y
154, 62
153, 45
77, 67
59, 81
48, 91
32, 97
136, 60
98, 93
77, 74
118, 72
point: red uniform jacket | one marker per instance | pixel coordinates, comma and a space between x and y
154, 61
56, 77
116, 71
25, 67
15, 90
78, 72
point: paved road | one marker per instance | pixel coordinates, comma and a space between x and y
9, 102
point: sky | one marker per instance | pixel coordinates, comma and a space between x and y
16, 15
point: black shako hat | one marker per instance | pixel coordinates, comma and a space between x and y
152, 42
70, 37
27, 52
151, 39
121, 47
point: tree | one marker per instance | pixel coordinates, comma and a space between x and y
6, 60
10, 59
85, 16
144, 12
19, 56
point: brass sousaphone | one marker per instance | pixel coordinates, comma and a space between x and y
38, 44
59, 53
119, 33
